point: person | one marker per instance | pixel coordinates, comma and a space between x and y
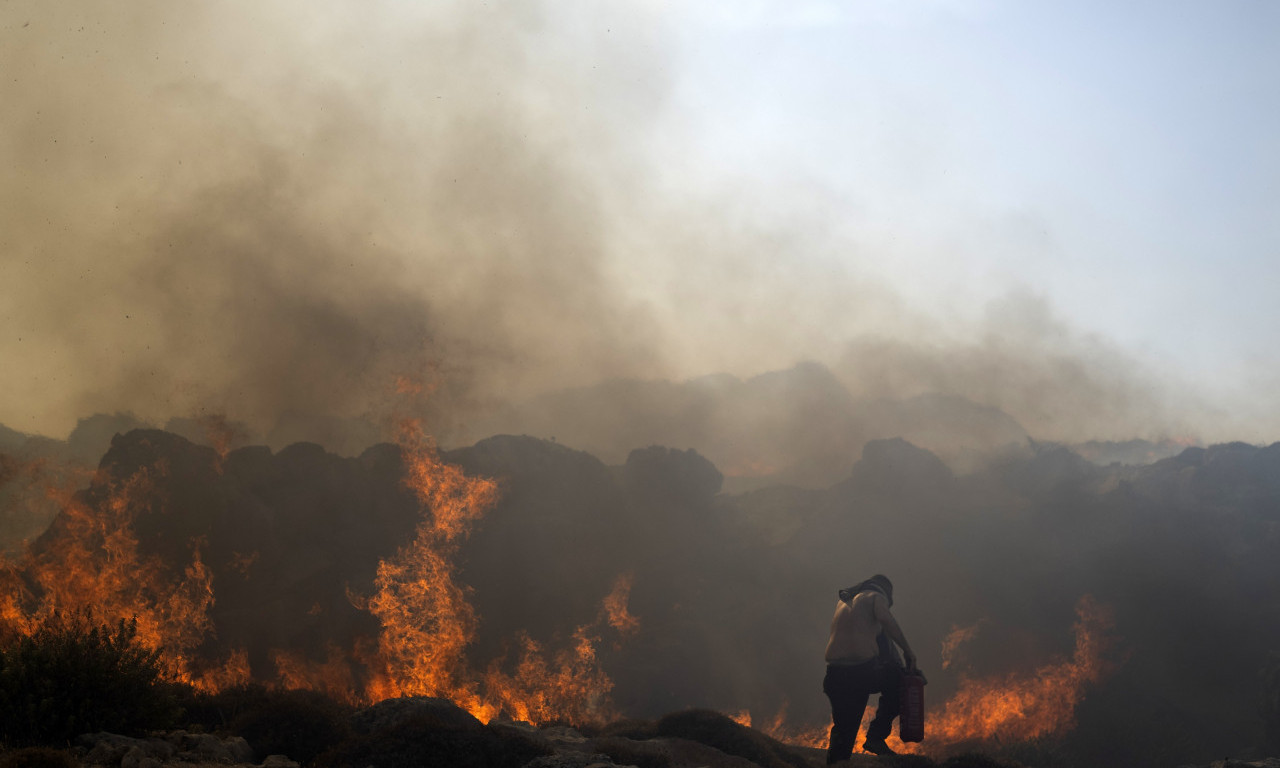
861, 661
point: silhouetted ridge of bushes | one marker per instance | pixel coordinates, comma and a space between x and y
74, 676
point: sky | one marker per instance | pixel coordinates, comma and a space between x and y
1120, 159
274, 210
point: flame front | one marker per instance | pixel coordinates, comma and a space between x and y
1022, 708
1008, 709
92, 568
91, 565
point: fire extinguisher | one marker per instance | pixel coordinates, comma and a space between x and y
911, 717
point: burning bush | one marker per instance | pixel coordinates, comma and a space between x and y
72, 676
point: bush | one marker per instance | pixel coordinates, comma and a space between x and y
297, 723
74, 676
430, 739
204, 711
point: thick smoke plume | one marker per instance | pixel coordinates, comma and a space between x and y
272, 213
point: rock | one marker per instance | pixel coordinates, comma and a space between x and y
240, 750
212, 748
562, 734
134, 757
278, 761
115, 750
394, 712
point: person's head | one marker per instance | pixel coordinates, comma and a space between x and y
882, 583
879, 582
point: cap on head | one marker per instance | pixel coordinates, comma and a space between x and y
878, 582
882, 581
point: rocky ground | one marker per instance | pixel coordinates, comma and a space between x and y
432, 732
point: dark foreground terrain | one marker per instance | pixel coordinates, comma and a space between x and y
295, 728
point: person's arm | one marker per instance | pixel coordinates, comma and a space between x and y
892, 629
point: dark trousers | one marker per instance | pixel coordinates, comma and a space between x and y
848, 688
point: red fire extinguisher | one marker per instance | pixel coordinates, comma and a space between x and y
911, 717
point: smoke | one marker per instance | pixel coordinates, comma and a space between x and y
275, 214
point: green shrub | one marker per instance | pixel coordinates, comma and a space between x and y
73, 676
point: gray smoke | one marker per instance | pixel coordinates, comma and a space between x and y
282, 216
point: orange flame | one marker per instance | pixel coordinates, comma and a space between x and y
234, 671
1022, 708
92, 567
573, 689
91, 564
615, 606
958, 636
427, 622
334, 676
803, 736
1009, 709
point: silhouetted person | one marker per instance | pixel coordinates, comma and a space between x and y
861, 661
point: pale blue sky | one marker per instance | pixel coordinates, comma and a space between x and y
1120, 159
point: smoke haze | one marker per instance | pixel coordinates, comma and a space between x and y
276, 214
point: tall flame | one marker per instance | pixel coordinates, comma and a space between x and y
615, 606
427, 621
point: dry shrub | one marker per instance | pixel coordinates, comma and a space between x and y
75, 676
